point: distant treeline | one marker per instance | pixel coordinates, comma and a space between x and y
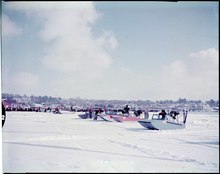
58, 100
32, 98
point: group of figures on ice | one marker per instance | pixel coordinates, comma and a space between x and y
150, 120
155, 121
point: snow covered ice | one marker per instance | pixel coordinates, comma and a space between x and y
47, 142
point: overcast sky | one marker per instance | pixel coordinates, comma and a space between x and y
111, 50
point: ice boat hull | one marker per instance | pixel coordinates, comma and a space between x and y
160, 124
122, 119
113, 117
108, 117
84, 116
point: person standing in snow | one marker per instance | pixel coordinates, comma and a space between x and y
163, 114
126, 109
3, 115
90, 112
146, 114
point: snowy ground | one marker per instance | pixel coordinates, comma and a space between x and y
47, 142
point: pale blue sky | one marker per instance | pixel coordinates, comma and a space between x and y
111, 50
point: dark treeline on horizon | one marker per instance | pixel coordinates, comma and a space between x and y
50, 99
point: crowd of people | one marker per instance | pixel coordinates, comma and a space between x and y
93, 112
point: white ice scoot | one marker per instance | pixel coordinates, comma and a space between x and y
170, 122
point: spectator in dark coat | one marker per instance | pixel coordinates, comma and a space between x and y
163, 114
